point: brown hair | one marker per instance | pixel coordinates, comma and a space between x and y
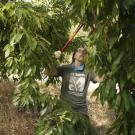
73, 59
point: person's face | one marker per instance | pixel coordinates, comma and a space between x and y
80, 55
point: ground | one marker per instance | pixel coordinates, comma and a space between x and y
12, 120
18, 122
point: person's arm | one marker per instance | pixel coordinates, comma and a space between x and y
54, 71
51, 72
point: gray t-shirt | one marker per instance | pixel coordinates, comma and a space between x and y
74, 86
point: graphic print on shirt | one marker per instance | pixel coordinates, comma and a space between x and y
76, 84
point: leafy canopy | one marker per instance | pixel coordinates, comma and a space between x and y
113, 54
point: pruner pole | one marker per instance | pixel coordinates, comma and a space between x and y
71, 37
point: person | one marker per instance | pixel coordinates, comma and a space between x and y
75, 81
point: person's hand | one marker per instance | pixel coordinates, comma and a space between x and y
57, 54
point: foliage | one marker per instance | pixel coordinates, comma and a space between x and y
29, 35
113, 54
23, 45
63, 121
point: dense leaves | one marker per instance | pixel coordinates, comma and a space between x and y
113, 54
63, 121
25, 46
30, 34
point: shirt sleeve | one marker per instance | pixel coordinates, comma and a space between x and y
60, 71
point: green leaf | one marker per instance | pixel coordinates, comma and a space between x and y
126, 100
118, 101
7, 53
16, 38
42, 112
9, 61
117, 61
31, 100
28, 73
8, 6
109, 58
33, 44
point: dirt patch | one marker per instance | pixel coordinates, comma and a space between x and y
12, 120
101, 117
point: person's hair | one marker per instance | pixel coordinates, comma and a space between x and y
73, 59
